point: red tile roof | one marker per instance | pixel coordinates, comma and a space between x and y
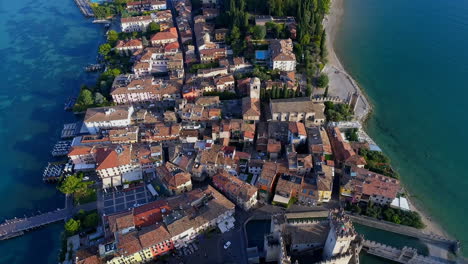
170, 34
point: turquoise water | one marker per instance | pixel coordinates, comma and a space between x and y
387, 238
410, 58
43, 48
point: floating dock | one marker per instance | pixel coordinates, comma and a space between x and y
61, 148
85, 7
69, 130
53, 172
94, 67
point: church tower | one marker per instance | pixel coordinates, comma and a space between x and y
255, 88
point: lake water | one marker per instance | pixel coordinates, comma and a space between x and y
410, 58
44, 46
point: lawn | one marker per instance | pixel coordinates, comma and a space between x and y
89, 197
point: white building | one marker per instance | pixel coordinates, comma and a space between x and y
139, 23
107, 117
281, 55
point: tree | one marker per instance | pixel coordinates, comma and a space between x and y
91, 220
153, 28
104, 49
274, 28
112, 37
75, 185
235, 34
322, 80
259, 32
99, 99
323, 47
85, 98
72, 227
309, 89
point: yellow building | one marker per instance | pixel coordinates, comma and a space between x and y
325, 183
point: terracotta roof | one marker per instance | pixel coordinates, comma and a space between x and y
274, 146
297, 128
221, 80
234, 186
120, 221
250, 107
207, 100
153, 235
79, 150
128, 44
282, 50
171, 46
129, 244
111, 157
376, 184
88, 255
175, 181
135, 19
165, 35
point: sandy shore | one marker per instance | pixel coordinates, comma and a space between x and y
342, 85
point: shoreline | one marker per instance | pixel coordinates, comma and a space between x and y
333, 68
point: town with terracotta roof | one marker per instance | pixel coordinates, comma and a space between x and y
199, 134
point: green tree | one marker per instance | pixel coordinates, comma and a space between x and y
112, 37
259, 32
323, 46
322, 80
309, 89
305, 39
91, 220
153, 28
85, 98
75, 185
105, 49
72, 227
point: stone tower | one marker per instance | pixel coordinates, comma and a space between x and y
255, 88
340, 236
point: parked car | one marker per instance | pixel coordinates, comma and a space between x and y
227, 245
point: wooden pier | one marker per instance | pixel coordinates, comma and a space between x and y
85, 7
